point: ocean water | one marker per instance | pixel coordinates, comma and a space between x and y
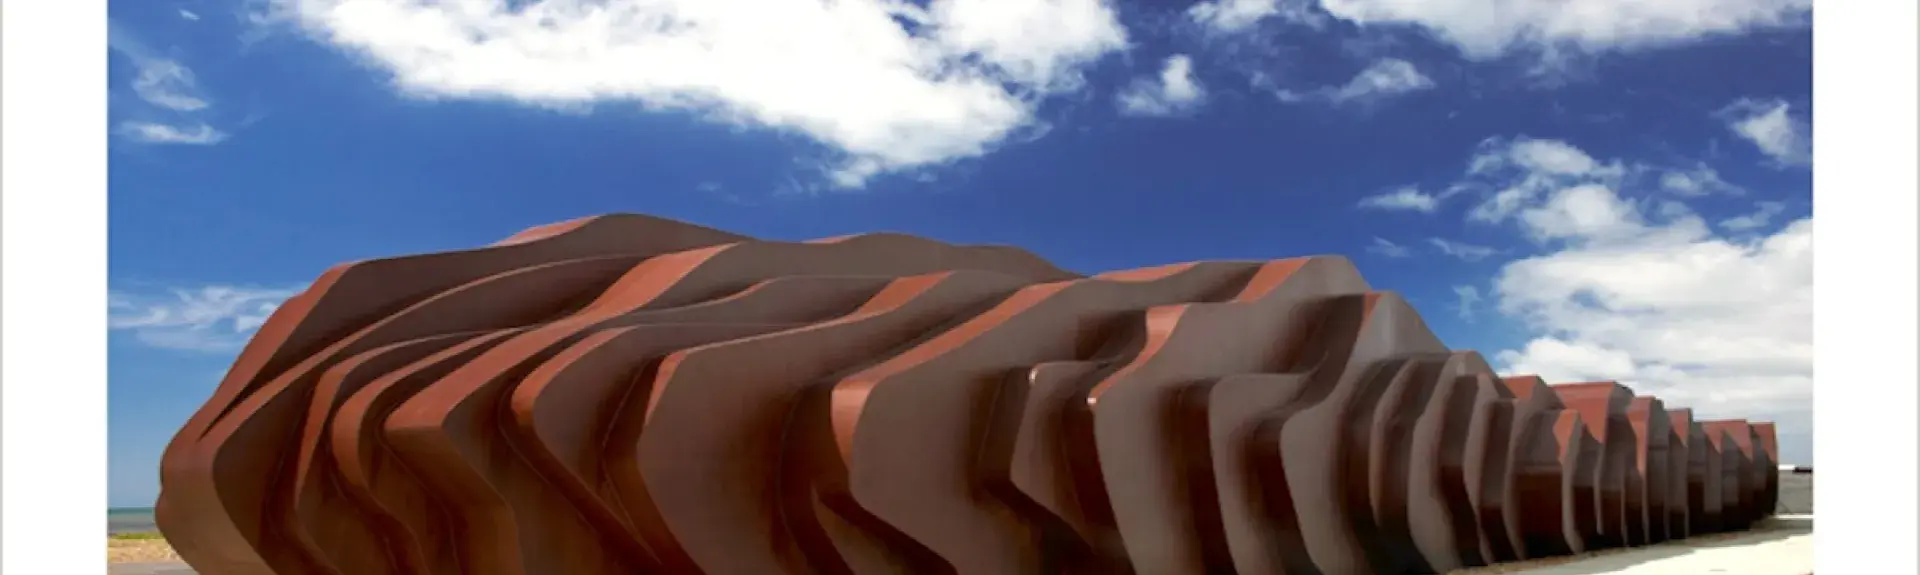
130, 520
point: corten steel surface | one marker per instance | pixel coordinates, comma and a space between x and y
625, 394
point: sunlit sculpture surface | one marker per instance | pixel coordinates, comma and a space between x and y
625, 394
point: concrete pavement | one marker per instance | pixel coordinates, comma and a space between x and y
166, 568
1784, 548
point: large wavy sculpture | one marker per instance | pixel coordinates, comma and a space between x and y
625, 394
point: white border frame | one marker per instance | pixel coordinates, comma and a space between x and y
1865, 192
52, 405
53, 233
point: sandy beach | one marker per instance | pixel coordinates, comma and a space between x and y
139, 548
136, 547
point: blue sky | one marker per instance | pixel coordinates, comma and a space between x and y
1582, 189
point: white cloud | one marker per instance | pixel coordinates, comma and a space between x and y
1586, 211
1483, 30
1645, 292
171, 88
155, 133
1463, 251
1723, 325
1389, 249
159, 80
888, 84
212, 318
1407, 198
1174, 91
188, 15
1521, 170
1550, 157
1386, 77
1560, 361
1697, 181
1232, 16
1466, 301
1037, 44
1762, 215
1770, 126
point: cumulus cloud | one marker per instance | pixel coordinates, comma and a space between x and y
1174, 91
1770, 126
1483, 30
1516, 173
1642, 291
172, 91
1383, 247
1719, 324
1535, 156
1234, 16
1519, 171
1408, 198
1586, 211
889, 85
210, 318
1462, 250
1385, 78
1763, 214
1697, 181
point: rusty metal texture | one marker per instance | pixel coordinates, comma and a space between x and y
626, 394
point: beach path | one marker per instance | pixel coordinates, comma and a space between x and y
155, 568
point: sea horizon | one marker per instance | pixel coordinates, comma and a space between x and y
130, 520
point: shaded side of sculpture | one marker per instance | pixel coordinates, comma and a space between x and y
625, 394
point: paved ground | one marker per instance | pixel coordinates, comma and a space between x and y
1782, 547
171, 568
1796, 493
